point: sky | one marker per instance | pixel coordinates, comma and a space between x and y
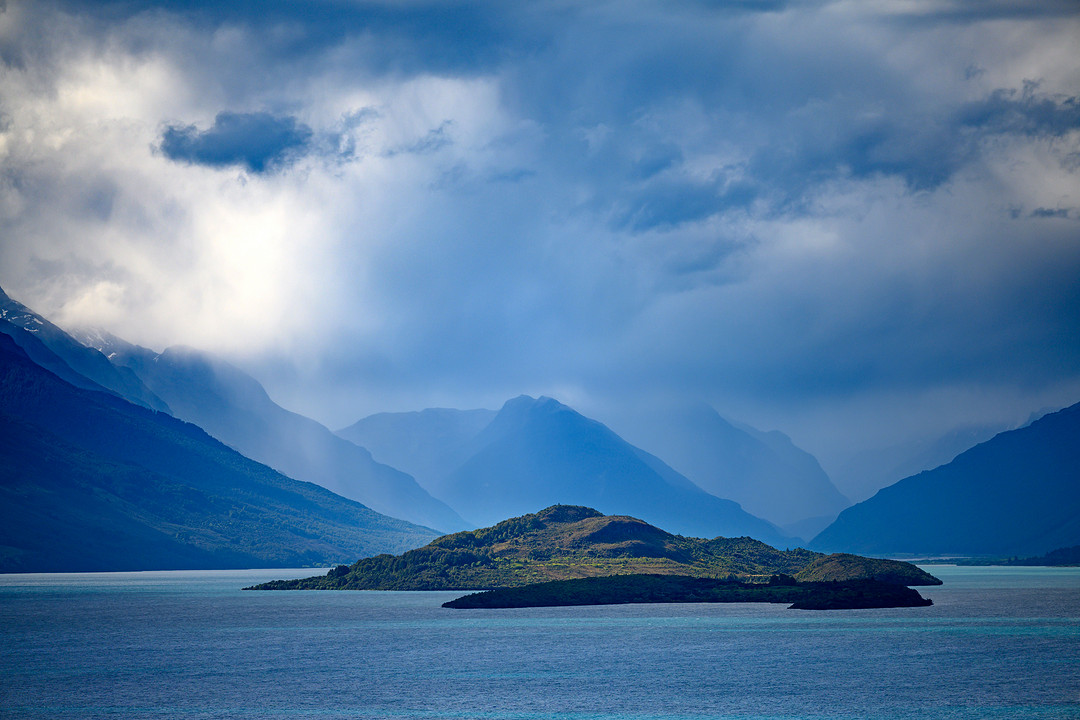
858, 223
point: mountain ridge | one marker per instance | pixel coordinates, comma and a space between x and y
427, 444
538, 451
763, 471
91, 482
1015, 494
234, 407
55, 349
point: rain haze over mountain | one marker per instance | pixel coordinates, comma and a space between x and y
855, 223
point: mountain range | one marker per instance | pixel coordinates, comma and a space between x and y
762, 471
60, 353
428, 444
866, 472
90, 481
1015, 494
537, 451
119, 457
233, 407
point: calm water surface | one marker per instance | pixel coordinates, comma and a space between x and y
998, 643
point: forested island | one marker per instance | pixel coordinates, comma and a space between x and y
571, 555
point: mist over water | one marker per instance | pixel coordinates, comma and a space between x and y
998, 643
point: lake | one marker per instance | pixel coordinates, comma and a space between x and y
998, 643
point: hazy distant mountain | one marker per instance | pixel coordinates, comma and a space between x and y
429, 444
870, 470
1015, 494
762, 471
91, 482
536, 453
71, 360
233, 407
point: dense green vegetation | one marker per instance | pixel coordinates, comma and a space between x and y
565, 542
841, 567
623, 589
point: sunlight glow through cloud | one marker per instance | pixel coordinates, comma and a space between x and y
803, 215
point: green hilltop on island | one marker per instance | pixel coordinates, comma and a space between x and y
567, 543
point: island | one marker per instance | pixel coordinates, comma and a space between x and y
624, 589
569, 543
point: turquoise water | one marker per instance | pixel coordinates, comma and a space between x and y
998, 643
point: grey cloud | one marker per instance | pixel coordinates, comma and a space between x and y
793, 114
923, 154
670, 203
679, 196
412, 37
98, 198
257, 141
925, 148
960, 11
567, 68
1024, 113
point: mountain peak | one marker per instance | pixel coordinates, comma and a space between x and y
537, 451
105, 342
567, 513
524, 411
428, 444
527, 403
71, 359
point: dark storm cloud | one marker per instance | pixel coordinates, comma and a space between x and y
923, 148
257, 141
667, 204
830, 112
922, 152
961, 11
1026, 112
791, 202
797, 114
444, 36
922, 145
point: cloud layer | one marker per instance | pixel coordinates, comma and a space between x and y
851, 222
256, 141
